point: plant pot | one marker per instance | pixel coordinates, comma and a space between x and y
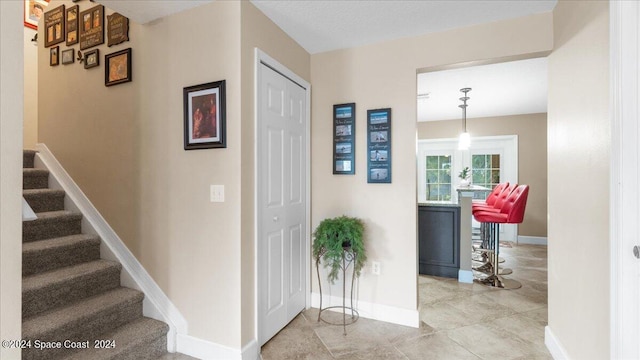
465, 183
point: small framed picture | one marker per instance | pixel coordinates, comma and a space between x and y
54, 56
33, 11
67, 56
117, 69
72, 25
344, 131
91, 58
204, 116
379, 146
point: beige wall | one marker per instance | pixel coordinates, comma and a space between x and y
190, 245
124, 146
257, 31
92, 129
578, 160
11, 113
384, 75
30, 133
532, 157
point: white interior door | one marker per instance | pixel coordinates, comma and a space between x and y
282, 245
625, 176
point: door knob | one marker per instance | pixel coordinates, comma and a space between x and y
636, 251
276, 218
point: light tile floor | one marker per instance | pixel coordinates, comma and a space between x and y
459, 321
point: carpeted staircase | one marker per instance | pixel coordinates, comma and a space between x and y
71, 297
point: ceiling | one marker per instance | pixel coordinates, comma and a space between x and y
510, 88
325, 25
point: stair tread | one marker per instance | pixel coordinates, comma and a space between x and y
46, 215
35, 171
35, 326
35, 192
66, 274
125, 338
41, 245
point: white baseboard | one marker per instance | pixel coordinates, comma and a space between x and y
207, 350
251, 351
532, 240
553, 345
156, 304
465, 276
390, 314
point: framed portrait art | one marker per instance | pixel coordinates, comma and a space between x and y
33, 11
117, 69
204, 116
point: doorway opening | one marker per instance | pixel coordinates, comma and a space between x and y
506, 117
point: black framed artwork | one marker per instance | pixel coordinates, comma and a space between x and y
117, 67
379, 146
205, 116
68, 56
344, 139
91, 58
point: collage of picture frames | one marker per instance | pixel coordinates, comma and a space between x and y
82, 25
378, 142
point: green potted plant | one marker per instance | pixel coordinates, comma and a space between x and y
464, 176
335, 235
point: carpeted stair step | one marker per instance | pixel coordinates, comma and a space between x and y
45, 255
43, 200
51, 225
85, 320
35, 178
27, 158
60, 287
141, 339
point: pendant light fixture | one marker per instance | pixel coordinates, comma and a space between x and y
465, 138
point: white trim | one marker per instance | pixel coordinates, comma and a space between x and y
156, 304
207, 350
262, 57
251, 351
465, 276
386, 313
553, 345
624, 23
532, 240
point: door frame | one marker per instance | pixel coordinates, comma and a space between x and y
263, 58
624, 17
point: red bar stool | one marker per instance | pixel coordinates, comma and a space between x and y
496, 206
498, 201
492, 197
512, 212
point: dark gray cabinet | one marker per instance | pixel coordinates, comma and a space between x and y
439, 240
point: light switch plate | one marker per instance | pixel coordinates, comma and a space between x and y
216, 193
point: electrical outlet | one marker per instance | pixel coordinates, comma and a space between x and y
375, 267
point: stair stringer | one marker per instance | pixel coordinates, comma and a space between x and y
156, 304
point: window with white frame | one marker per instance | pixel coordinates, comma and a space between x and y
438, 186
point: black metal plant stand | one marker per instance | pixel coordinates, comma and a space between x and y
348, 257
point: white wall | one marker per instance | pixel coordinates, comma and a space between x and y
11, 108
579, 143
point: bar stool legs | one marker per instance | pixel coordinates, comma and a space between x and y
491, 244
